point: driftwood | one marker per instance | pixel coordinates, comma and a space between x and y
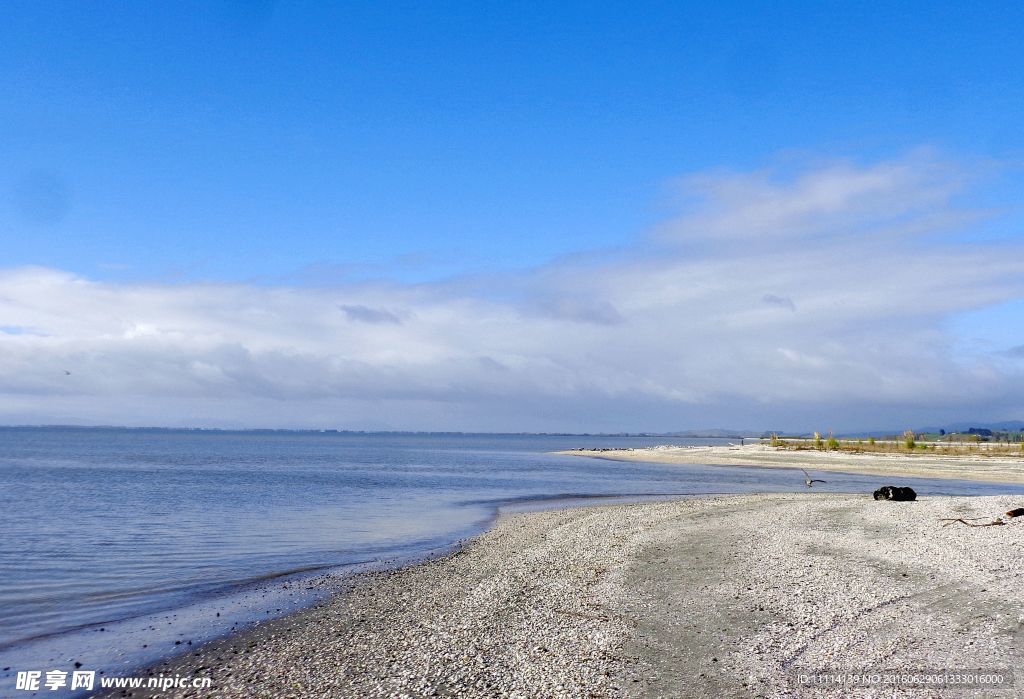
970, 522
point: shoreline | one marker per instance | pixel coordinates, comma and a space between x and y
988, 469
655, 599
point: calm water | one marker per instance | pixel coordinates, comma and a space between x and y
102, 528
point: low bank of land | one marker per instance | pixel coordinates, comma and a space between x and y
983, 464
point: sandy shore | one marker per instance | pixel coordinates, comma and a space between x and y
709, 597
992, 469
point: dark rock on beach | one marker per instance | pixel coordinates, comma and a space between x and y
895, 492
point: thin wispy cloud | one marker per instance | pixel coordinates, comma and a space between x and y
841, 198
780, 301
841, 310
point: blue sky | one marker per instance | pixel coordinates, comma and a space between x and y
475, 151
237, 140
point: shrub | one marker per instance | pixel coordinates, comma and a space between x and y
909, 439
833, 443
818, 444
871, 441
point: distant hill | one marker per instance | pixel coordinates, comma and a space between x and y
1005, 426
714, 433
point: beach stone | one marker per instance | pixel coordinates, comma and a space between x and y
895, 492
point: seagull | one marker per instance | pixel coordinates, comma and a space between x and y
811, 481
67, 373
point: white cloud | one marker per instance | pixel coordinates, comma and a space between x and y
834, 198
839, 314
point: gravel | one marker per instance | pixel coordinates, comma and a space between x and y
724, 596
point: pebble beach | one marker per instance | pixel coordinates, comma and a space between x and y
703, 597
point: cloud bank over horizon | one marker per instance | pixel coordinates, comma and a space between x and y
815, 297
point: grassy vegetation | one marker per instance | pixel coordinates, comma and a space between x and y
908, 443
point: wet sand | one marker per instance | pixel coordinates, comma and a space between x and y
706, 597
973, 467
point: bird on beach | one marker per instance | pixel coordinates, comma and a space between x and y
811, 481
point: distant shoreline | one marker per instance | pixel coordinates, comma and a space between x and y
396, 432
976, 467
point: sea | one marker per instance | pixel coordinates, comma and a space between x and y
120, 547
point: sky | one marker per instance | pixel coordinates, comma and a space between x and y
515, 216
